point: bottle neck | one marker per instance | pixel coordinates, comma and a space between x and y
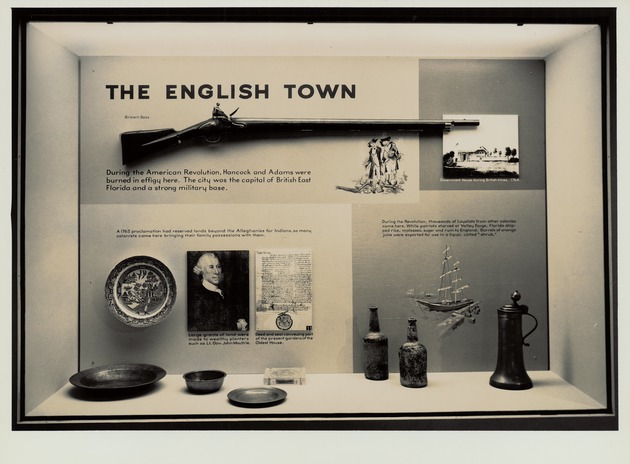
374, 325
412, 332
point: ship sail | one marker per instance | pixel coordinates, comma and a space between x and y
450, 295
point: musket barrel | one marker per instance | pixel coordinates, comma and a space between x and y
349, 125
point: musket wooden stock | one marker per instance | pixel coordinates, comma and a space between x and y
139, 144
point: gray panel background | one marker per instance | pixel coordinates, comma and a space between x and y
384, 269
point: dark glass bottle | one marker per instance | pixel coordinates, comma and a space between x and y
413, 359
376, 366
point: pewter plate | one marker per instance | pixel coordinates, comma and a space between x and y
257, 397
140, 291
117, 377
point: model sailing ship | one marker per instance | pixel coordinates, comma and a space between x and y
450, 299
450, 292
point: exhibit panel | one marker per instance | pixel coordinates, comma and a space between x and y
231, 214
498, 251
172, 343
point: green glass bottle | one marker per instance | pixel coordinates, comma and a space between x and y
413, 359
375, 343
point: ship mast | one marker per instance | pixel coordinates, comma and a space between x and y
446, 272
449, 280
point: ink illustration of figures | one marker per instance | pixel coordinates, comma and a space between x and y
218, 291
382, 169
390, 157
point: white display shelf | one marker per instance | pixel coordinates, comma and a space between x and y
331, 395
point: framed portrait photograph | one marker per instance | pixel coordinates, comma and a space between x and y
218, 291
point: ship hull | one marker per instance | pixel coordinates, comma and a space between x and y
447, 306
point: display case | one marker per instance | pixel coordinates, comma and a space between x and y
309, 229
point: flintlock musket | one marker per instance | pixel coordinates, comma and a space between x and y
139, 144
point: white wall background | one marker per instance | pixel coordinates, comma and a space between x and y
51, 220
576, 237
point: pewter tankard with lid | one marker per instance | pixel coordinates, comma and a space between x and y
510, 373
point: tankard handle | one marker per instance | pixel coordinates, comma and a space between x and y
531, 331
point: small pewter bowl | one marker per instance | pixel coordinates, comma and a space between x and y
204, 381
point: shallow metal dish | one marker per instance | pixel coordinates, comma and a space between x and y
257, 397
140, 291
117, 377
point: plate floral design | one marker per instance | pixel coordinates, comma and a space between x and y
140, 291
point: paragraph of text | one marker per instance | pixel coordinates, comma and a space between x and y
447, 227
200, 180
227, 232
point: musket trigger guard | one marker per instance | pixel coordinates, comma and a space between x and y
213, 140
